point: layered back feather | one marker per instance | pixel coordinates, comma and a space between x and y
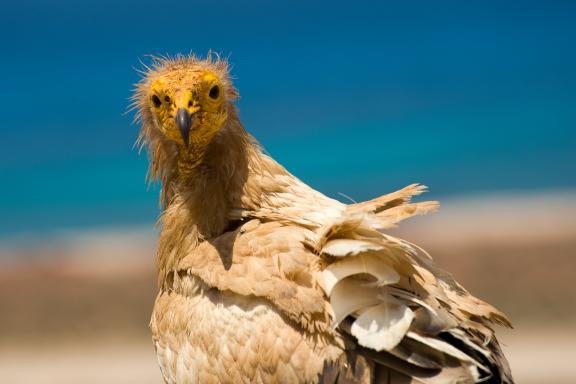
388, 294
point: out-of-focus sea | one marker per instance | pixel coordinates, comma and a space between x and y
359, 100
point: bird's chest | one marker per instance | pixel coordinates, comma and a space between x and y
214, 337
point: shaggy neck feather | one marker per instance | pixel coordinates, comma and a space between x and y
200, 199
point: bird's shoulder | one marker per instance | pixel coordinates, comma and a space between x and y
270, 260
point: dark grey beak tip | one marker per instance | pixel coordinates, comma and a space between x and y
184, 123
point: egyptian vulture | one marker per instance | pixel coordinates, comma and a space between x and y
263, 279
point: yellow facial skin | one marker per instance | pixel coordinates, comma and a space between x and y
201, 95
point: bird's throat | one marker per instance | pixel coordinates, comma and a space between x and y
190, 157
187, 165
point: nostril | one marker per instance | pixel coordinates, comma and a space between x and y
190, 104
167, 99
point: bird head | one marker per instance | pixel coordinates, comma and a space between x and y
183, 102
188, 105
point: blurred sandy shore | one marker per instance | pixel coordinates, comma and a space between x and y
536, 357
75, 307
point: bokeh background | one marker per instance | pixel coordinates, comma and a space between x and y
477, 100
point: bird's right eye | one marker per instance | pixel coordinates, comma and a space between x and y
156, 101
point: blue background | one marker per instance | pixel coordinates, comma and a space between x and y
357, 98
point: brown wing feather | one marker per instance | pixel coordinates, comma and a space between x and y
447, 337
288, 265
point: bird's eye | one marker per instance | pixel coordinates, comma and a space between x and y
214, 92
167, 99
156, 101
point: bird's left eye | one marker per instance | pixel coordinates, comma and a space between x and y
214, 92
156, 101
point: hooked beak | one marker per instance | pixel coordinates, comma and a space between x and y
184, 123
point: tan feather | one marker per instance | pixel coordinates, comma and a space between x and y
350, 295
445, 348
367, 263
348, 247
388, 201
382, 326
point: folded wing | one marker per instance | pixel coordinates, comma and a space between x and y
406, 313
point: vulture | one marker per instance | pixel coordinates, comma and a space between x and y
262, 279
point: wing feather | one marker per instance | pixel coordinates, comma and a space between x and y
349, 247
382, 326
395, 300
366, 263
